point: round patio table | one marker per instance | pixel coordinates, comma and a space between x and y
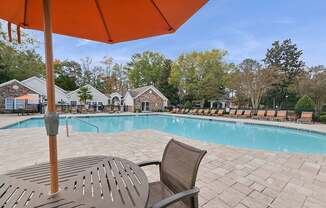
92, 181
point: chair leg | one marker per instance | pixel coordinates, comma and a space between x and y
196, 204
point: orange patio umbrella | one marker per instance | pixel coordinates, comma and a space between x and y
25, 97
108, 21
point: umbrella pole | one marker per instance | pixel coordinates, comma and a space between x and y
51, 117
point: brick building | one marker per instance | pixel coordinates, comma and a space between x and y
12, 89
145, 99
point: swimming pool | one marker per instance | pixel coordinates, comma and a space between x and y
212, 131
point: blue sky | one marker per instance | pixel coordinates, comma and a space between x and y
245, 28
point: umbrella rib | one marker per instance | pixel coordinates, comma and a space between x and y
162, 15
25, 12
103, 20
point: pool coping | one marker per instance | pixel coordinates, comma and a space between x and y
211, 118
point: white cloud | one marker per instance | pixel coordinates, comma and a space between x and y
81, 43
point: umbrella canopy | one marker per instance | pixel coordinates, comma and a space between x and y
26, 97
107, 21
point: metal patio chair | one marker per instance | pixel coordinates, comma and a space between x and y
178, 172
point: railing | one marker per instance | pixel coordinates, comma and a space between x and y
86, 122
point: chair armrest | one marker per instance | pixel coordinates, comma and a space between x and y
151, 162
175, 198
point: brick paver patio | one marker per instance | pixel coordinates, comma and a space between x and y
228, 177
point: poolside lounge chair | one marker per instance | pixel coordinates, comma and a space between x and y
232, 113
212, 112
178, 173
74, 109
200, 112
59, 110
246, 114
175, 110
292, 116
306, 117
91, 110
182, 111
194, 112
206, 112
270, 115
186, 111
83, 110
220, 112
280, 116
260, 114
239, 113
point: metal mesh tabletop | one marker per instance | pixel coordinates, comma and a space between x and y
94, 181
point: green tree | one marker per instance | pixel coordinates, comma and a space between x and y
200, 75
115, 78
313, 84
84, 94
19, 61
305, 103
251, 81
92, 74
285, 57
150, 68
68, 74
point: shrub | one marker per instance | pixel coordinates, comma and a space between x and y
322, 113
188, 104
305, 103
322, 119
316, 118
137, 110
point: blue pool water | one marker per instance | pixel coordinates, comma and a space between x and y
219, 132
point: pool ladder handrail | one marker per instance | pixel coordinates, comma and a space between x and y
86, 122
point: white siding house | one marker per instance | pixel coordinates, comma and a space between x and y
116, 99
39, 85
98, 97
128, 99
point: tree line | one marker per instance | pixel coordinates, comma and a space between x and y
277, 81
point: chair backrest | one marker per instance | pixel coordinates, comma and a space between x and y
220, 112
261, 113
281, 114
179, 167
247, 112
271, 113
239, 112
213, 111
306, 115
232, 112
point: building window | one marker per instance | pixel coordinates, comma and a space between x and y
73, 103
145, 106
9, 103
20, 104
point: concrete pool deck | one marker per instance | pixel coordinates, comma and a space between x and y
228, 177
